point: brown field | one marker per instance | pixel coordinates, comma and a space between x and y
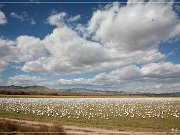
13, 127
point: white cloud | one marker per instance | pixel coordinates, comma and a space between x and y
23, 16
3, 65
148, 78
135, 26
164, 72
118, 41
135, 1
161, 70
74, 18
32, 21
37, 65
3, 19
56, 19
66, 49
70, 53
1, 81
10, 53
25, 80
61, 19
116, 38
15, 15
24, 49
17, 67
30, 46
123, 35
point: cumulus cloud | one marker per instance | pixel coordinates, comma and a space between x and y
3, 19
161, 70
61, 19
56, 19
134, 27
66, 49
30, 45
149, 72
154, 77
10, 53
8, 50
119, 36
23, 49
70, 53
24, 80
3, 65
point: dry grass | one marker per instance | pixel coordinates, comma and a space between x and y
11, 127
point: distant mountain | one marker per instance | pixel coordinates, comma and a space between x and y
41, 90
177, 93
27, 90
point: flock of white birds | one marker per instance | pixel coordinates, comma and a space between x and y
93, 108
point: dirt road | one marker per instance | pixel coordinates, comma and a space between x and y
74, 130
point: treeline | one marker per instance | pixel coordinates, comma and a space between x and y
76, 93
20, 92
67, 93
51, 93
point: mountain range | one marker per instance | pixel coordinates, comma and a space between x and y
41, 90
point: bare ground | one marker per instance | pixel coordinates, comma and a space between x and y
74, 130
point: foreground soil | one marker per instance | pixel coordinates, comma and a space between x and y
75, 130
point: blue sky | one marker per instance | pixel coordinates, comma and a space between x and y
131, 47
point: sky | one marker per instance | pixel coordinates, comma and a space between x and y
131, 46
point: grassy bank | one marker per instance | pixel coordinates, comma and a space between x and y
13, 127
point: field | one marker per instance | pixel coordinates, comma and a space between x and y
124, 114
17, 126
